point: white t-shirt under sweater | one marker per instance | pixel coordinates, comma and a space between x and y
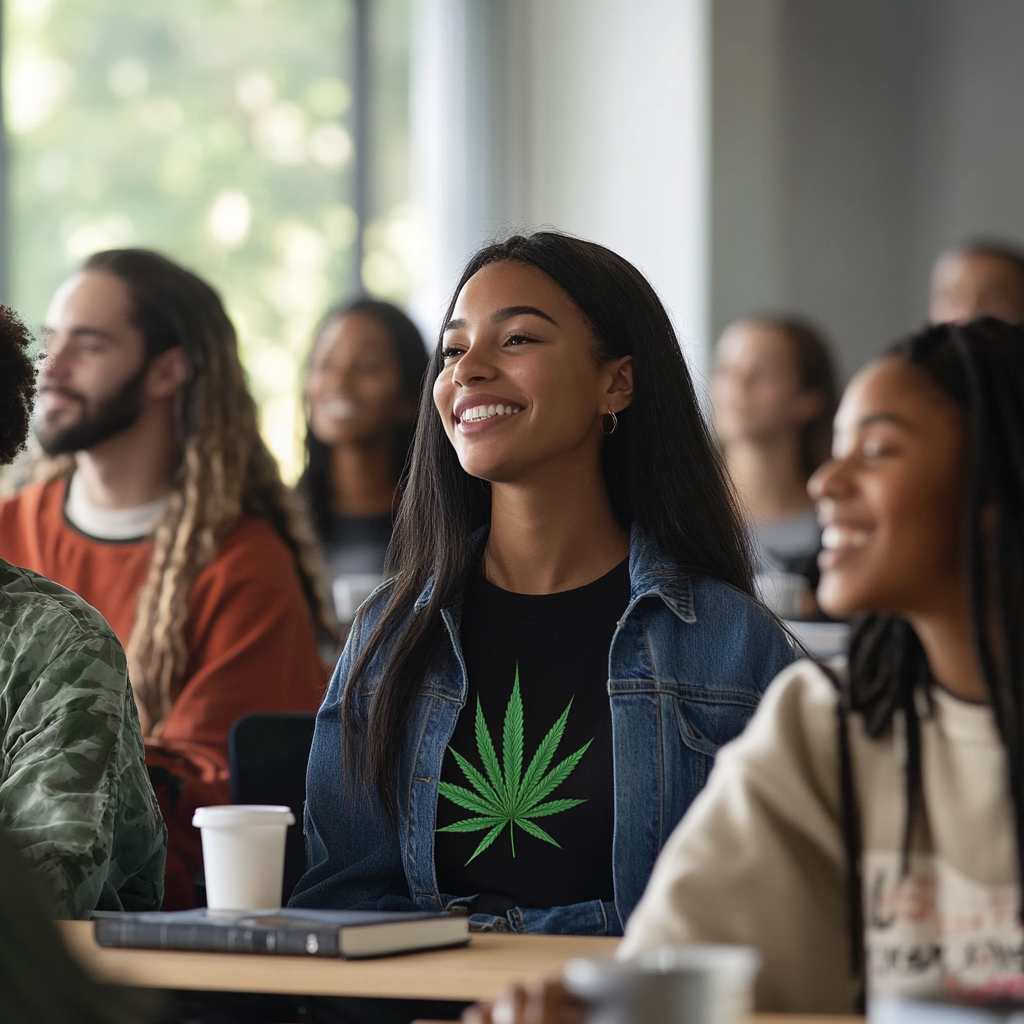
112, 524
759, 858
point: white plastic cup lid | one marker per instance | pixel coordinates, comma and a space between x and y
234, 815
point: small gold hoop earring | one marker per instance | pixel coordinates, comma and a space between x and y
615, 423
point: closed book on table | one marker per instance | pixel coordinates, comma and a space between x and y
351, 934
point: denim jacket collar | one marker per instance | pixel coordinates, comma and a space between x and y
651, 574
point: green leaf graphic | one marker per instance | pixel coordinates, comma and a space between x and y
464, 798
512, 742
538, 832
546, 750
556, 776
504, 795
472, 825
552, 807
476, 780
487, 754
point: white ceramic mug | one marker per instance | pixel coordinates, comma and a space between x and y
695, 984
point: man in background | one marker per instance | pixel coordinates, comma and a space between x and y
75, 798
162, 507
978, 279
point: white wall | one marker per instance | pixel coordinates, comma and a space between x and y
592, 115
969, 165
797, 155
457, 135
852, 141
812, 144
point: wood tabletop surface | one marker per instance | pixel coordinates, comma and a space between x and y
478, 971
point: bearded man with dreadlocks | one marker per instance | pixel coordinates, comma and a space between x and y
162, 507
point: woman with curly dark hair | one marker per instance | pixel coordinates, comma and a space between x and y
17, 385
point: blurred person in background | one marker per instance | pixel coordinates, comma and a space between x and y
75, 798
162, 507
773, 396
982, 278
362, 389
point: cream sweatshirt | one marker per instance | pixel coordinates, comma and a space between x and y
759, 858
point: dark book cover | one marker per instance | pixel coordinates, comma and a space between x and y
351, 934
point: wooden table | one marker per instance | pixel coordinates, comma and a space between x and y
479, 971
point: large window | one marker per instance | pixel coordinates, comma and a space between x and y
260, 142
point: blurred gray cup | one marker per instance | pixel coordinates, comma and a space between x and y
672, 985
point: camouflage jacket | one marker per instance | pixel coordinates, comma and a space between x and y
74, 793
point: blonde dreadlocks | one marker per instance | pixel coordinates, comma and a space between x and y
225, 471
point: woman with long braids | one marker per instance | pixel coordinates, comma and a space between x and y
866, 832
163, 508
523, 713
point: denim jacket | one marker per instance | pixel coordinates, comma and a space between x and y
688, 663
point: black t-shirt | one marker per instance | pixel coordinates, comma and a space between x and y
355, 549
559, 644
358, 544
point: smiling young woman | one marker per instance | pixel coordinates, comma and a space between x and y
525, 711
804, 843
919, 891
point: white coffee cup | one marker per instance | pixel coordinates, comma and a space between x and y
243, 854
696, 984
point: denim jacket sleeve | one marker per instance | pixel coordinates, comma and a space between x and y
353, 858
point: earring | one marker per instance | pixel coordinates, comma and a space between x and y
615, 423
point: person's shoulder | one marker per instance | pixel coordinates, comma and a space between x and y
371, 611
252, 554
723, 605
28, 595
712, 590
253, 541
43, 620
32, 501
792, 734
806, 695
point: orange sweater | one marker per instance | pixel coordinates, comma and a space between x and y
249, 634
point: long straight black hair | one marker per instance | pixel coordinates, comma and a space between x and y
980, 367
407, 343
661, 467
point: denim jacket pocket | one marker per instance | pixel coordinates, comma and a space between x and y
705, 726
591, 918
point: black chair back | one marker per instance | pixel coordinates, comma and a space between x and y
267, 755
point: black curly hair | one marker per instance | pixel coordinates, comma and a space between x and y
17, 384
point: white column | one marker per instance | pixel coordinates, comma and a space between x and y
456, 72
590, 116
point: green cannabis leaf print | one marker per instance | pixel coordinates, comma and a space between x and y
504, 794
